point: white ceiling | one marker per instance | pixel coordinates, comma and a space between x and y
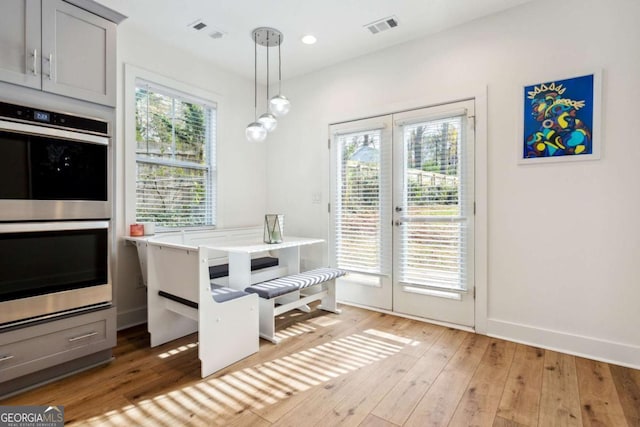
337, 24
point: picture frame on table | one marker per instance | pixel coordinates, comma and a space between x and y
560, 120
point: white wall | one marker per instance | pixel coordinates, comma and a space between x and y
241, 166
563, 245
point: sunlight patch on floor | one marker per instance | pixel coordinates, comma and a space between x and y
215, 400
177, 350
293, 331
392, 337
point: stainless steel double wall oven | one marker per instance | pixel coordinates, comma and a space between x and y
55, 213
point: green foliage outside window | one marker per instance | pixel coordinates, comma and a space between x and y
173, 160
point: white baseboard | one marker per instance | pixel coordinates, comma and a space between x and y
129, 318
577, 345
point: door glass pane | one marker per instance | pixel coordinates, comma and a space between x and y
358, 219
433, 231
431, 167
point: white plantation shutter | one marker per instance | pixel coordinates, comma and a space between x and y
437, 203
175, 157
362, 195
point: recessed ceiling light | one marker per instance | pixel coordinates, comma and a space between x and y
309, 39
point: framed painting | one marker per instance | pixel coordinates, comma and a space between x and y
560, 120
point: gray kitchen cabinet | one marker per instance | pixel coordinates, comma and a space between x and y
59, 48
72, 341
20, 42
79, 53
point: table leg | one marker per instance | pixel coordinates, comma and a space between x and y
239, 270
290, 257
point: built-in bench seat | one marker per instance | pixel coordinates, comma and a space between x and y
182, 300
189, 290
295, 291
222, 293
283, 285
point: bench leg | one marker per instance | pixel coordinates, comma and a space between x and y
164, 325
304, 308
329, 302
228, 331
291, 297
267, 320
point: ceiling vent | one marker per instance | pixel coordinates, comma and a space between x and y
197, 25
214, 33
217, 34
382, 25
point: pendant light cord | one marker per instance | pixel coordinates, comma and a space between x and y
255, 77
267, 71
279, 65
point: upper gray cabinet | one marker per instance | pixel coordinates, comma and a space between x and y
59, 48
78, 53
20, 42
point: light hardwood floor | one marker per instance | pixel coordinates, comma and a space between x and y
359, 368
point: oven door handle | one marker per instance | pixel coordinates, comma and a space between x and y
52, 132
32, 227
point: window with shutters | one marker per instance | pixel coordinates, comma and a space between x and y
175, 157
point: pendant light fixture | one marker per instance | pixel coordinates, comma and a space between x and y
267, 119
279, 104
255, 132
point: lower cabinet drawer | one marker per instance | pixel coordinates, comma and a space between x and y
33, 348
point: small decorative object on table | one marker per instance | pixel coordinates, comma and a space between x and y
149, 228
273, 225
136, 230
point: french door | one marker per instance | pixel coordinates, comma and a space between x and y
402, 212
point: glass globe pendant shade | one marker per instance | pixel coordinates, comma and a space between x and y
256, 132
269, 121
279, 105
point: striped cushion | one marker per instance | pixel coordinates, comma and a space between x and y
222, 294
283, 285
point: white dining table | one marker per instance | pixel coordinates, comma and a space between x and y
239, 255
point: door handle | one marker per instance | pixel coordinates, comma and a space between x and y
7, 357
397, 222
398, 209
35, 62
50, 66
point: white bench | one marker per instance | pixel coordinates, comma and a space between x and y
295, 291
181, 299
176, 268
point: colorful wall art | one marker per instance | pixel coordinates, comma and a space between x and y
560, 120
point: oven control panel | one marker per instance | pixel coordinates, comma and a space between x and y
68, 121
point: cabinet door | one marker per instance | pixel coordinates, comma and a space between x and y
20, 42
78, 53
